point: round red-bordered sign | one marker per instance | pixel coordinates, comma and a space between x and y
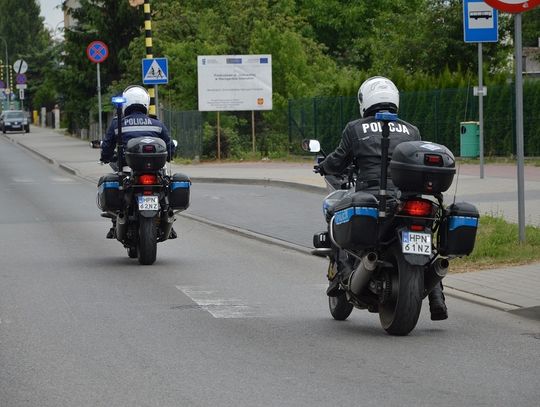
513, 6
97, 51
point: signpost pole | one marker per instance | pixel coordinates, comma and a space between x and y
253, 129
481, 108
218, 138
519, 127
99, 102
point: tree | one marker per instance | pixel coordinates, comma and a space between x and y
26, 38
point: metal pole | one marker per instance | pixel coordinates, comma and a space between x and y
218, 138
99, 102
152, 91
481, 108
519, 127
253, 130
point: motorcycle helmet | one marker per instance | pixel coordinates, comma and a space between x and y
378, 93
137, 98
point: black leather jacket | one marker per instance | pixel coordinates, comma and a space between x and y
136, 124
361, 144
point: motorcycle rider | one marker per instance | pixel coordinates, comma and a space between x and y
135, 123
361, 144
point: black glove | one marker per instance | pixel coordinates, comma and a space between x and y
317, 169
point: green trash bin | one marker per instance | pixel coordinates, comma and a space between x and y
470, 139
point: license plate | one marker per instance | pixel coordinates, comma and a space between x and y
416, 243
148, 203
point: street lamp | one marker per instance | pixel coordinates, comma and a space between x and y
7, 70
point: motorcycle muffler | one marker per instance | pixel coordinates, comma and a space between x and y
435, 272
360, 277
121, 226
166, 224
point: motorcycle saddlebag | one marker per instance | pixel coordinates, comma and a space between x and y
109, 198
422, 167
355, 221
457, 232
146, 153
179, 191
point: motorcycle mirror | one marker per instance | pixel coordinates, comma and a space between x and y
312, 146
175, 143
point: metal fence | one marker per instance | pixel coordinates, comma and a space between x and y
186, 128
437, 114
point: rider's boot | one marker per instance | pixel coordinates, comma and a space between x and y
437, 306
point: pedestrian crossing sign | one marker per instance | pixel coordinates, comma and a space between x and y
155, 71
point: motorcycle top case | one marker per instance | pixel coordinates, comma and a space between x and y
146, 153
457, 233
109, 198
355, 221
422, 167
179, 191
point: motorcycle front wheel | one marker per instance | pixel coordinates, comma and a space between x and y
147, 245
404, 284
340, 308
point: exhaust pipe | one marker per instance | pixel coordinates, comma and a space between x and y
121, 226
166, 223
360, 277
435, 272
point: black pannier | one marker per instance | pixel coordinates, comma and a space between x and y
422, 167
109, 198
457, 232
355, 221
179, 191
146, 153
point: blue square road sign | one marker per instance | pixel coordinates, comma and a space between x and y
155, 71
480, 22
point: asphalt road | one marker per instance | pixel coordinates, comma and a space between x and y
219, 319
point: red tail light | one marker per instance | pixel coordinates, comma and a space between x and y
417, 207
148, 179
433, 160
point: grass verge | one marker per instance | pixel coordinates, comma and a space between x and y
497, 245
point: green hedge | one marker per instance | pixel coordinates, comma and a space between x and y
437, 113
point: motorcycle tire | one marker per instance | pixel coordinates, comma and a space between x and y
399, 312
340, 308
147, 245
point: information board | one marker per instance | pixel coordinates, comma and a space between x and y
234, 82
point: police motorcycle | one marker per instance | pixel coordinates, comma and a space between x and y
400, 243
140, 197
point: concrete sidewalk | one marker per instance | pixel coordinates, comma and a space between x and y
515, 289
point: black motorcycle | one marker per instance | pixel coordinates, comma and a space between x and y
141, 198
399, 242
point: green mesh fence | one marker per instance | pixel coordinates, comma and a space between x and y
437, 114
187, 129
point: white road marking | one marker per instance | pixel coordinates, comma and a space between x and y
23, 180
62, 180
216, 305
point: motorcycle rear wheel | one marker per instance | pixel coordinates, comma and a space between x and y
147, 245
400, 312
340, 308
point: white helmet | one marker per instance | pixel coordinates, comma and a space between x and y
378, 93
136, 95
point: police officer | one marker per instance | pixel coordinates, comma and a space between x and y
135, 123
361, 144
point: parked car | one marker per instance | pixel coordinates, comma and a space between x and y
14, 120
